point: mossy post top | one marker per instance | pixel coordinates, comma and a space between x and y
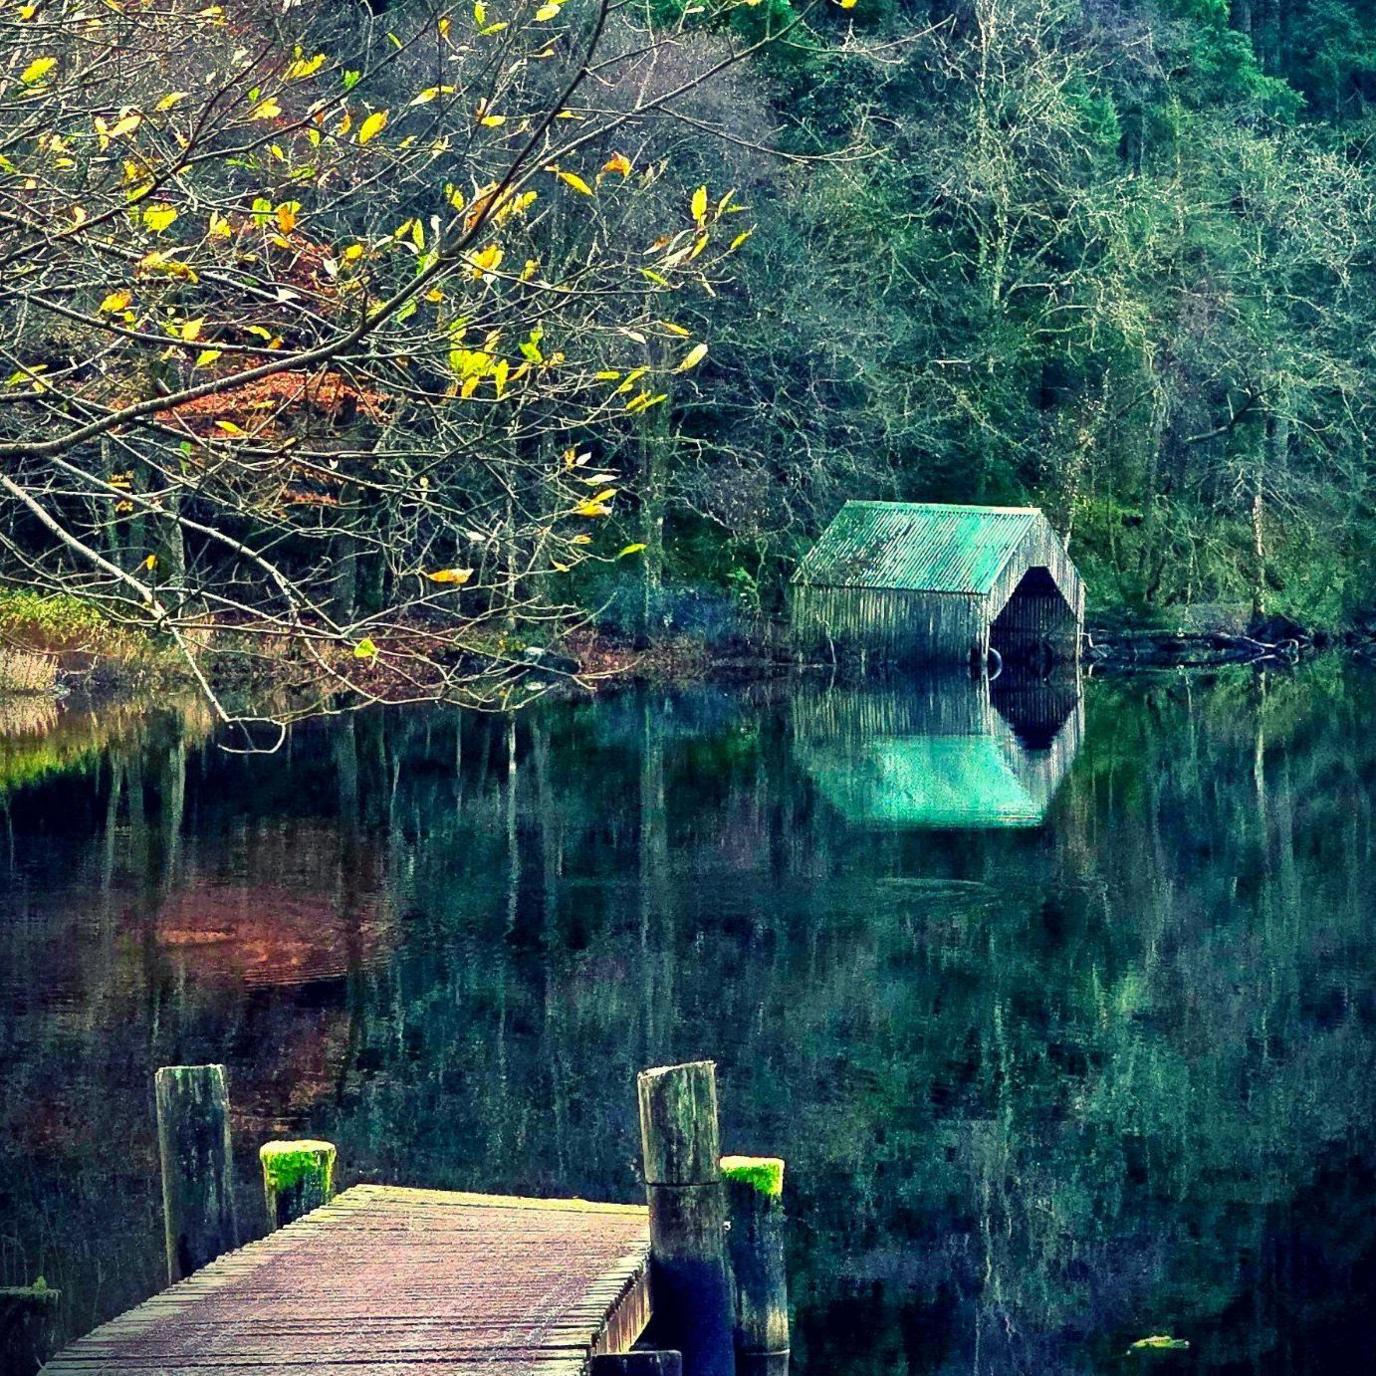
763, 1174
38, 1295
297, 1177
287, 1163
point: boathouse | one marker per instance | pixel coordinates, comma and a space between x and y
921, 582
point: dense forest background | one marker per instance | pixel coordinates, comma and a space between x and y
1111, 256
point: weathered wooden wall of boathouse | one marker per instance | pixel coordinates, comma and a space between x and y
903, 582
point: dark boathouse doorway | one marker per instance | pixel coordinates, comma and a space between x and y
1037, 626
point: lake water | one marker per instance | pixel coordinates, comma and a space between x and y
1063, 1014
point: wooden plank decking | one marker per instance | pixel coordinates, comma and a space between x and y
420, 1282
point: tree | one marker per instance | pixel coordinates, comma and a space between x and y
312, 324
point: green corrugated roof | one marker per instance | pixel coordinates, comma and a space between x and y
916, 545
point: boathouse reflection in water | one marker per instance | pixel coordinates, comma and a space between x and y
944, 752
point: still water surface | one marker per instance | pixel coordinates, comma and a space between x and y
1063, 1015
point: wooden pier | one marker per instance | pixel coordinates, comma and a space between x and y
421, 1282
416, 1281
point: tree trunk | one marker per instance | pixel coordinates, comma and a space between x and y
1271, 463
654, 441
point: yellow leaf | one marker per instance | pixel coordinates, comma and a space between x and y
159, 217
170, 99
352, 252
425, 96
444, 26
531, 268
191, 329
487, 261
692, 358
846, 4
286, 215
631, 549
268, 109
229, 427
372, 126
116, 301
676, 329
591, 508
455, 576
207, 356
740, 239
581, 540
160, 262
492, 121
37, 70
480, 13
127, 125
700, 204
151, 562
547, 12
219, 226
305, 66
618, 162
365, 649
574, 180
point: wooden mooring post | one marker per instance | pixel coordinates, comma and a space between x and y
297, 1177
27, 1313
690, 1278
197, 1166
754, 1204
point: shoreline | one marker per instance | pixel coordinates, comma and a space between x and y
590, 663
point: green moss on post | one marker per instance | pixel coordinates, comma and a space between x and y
27, 1314
297, 1177
763, 1174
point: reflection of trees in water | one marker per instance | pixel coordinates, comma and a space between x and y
1041, 1092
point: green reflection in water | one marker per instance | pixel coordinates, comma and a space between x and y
1042, 1091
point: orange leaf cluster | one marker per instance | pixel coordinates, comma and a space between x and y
262, 406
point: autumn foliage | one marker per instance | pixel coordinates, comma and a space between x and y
319, 325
